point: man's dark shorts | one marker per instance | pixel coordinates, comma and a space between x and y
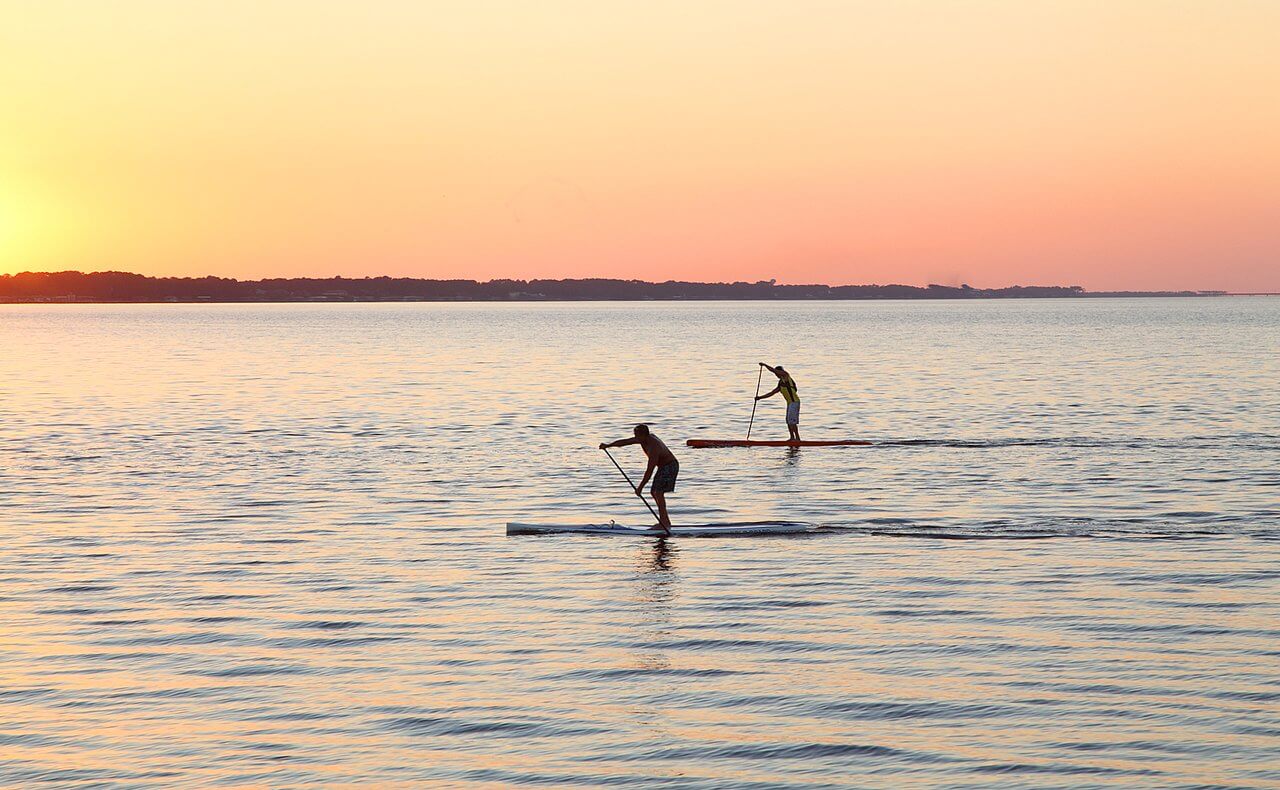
664, 480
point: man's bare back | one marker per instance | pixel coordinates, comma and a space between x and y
658, 453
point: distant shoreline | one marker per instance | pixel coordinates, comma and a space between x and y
73, 287
428, 300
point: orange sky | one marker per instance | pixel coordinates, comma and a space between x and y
1103, 143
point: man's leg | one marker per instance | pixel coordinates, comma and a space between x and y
663, 518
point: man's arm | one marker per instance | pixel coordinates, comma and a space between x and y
621, 443
770, 368
647, 471
770, 393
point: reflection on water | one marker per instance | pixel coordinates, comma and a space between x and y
792, 457
656, 587
657, 568
262, 545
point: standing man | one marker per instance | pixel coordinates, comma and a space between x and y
660, 458
790, 393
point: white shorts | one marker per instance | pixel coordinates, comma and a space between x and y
793, 414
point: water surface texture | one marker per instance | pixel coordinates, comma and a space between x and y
263, 545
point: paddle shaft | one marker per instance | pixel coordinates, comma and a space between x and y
633, 486
755, 402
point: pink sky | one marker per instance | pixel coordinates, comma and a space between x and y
1110, 145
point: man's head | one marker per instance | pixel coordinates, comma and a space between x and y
642, 431
780, 368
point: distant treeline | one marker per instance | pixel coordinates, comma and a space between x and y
126, 287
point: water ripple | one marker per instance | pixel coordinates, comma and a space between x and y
262, 545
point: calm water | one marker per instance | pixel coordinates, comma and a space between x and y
264, 545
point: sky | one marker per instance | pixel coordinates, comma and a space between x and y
1108, 144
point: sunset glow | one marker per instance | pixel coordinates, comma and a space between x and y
1110, 145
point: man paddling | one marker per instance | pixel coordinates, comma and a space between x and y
660, 458
790, 393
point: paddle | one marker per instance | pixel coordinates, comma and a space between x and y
633, 487
755, 402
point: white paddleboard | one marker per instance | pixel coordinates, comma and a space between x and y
690, 531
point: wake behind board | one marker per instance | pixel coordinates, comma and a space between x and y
691, 531
779, 443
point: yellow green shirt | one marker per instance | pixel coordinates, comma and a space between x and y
787, 386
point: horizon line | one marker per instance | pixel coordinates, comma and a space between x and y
72, 286
772, 282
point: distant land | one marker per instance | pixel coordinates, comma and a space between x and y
75, 287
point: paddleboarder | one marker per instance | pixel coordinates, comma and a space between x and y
660, 459
790, 393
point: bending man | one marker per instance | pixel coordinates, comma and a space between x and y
660, 458
790, 393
